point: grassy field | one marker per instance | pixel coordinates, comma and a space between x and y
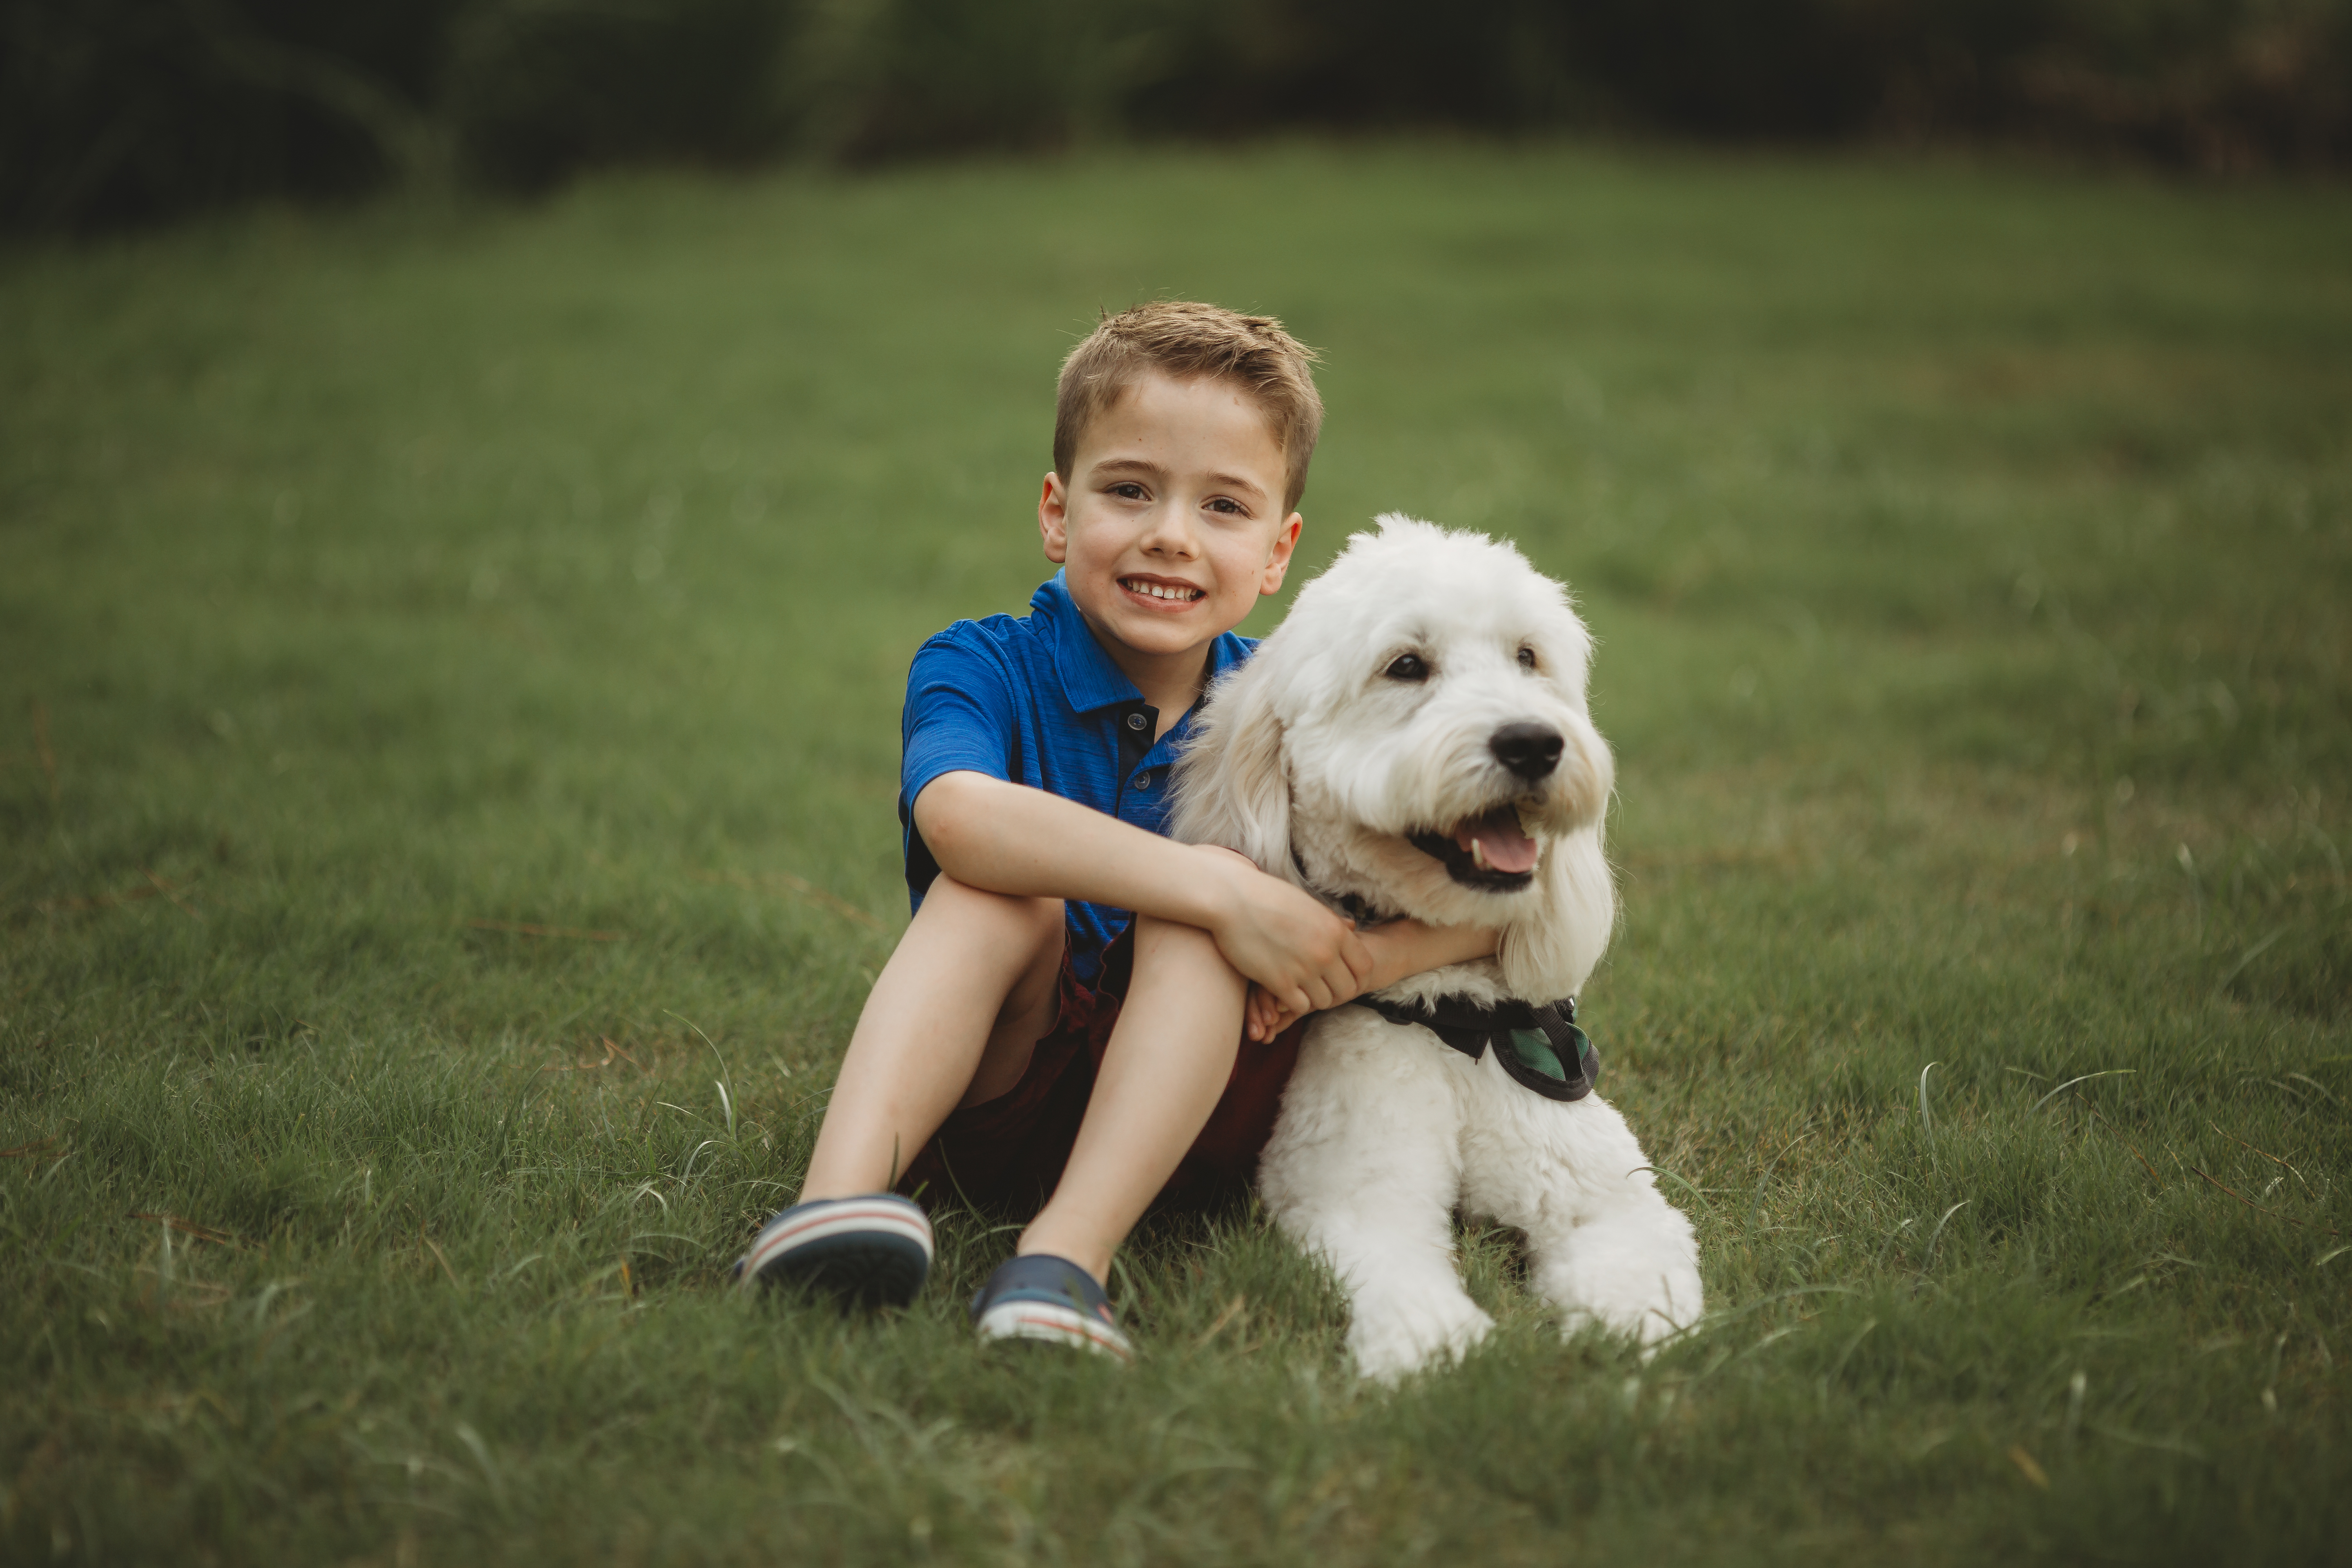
449, 671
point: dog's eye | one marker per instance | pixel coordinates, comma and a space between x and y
1407, 666
1527, 658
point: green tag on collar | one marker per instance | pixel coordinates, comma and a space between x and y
1533, 1049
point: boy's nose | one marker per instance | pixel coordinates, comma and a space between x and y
1171, 531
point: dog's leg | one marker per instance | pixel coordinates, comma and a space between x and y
1605, 1245
1631, 1264
1362, 1172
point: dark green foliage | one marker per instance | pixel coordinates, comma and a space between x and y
115, 112
538, 90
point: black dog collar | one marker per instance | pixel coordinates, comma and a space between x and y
1359, 912
1540, 1047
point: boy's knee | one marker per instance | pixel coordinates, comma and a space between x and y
1039, 918
1161, 945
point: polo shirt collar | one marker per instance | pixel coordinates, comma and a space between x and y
1090, 679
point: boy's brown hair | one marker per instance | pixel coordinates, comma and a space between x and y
1182, 339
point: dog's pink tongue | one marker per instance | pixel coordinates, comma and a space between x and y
1506, 848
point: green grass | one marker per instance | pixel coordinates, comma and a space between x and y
1970, 551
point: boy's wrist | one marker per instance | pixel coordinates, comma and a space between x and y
1409, 947
1219, 886
1389, 957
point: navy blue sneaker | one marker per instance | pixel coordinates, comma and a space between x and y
1051, 1299
864, 1252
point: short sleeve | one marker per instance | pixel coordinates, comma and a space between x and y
960, 717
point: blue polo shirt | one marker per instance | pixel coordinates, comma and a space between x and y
1036, 702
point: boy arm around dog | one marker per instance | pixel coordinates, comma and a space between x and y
1181, 439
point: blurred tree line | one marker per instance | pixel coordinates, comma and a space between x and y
126, 111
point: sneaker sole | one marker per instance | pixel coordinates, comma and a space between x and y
874, 1255
1048, 1323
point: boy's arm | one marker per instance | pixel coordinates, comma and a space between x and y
1010, 838
1399, 949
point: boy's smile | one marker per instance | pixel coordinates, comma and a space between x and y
1170, 526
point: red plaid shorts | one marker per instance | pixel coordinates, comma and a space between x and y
1008, 1152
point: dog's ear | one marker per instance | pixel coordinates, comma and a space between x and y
1553, 954
1552, 951
1231, 786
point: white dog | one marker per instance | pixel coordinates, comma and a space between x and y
1413, 740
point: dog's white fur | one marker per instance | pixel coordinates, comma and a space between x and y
1309, 757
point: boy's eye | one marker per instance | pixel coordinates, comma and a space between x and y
1226, 504
1127, 490
1407, 666
1527, 658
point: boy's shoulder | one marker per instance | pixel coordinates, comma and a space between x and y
1049, 649
1004, 629
1021, 653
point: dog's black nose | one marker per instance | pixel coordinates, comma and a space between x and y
1530, 751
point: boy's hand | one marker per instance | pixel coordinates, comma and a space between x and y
1284, 939
1263, 1018
1399, 949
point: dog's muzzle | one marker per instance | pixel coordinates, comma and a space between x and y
1491, 851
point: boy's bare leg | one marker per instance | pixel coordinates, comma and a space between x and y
951, 1020
1171, 1056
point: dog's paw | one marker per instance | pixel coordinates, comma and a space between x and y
1398, 1339
1632, 1271
1649, 1330
1647, 1310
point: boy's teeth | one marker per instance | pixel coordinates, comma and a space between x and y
1158, 592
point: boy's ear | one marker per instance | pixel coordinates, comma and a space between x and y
1053, 519
1278, 562
1231, 786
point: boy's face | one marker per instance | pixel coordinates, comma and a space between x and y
1171, 524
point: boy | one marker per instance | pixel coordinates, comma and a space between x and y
1005, 1051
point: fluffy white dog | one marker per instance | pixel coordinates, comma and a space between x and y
1413, 740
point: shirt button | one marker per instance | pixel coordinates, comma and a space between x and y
1135, 720
1143, 779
